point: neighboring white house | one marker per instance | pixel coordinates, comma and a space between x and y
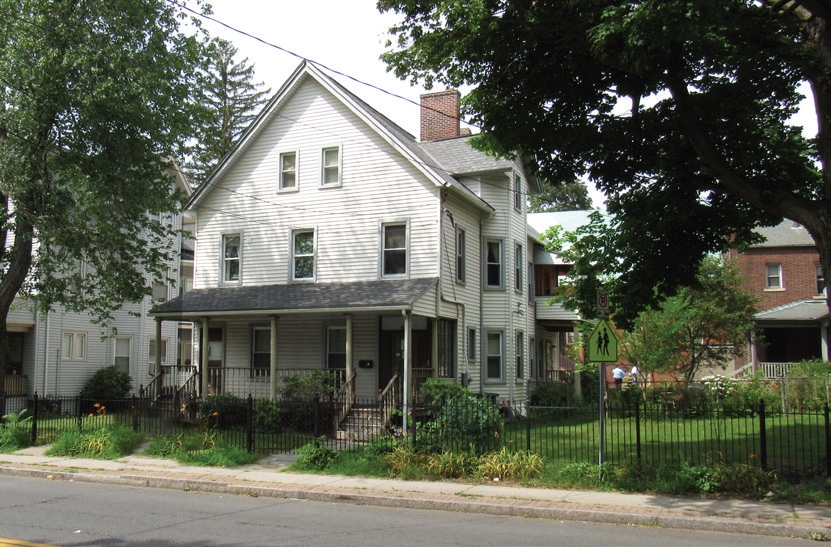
330, 239
54, 354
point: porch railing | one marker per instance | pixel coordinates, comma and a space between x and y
14, 386
242, 381
345, 395
389, 398
776, 370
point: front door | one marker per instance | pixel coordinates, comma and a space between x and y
391, 356
215, 352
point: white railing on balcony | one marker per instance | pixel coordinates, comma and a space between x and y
242, 381
776, 370
15, 385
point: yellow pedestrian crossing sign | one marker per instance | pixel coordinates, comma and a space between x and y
602, 344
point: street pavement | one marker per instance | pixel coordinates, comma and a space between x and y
268, 477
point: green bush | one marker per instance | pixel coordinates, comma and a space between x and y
434, 391
806, 385
223, 411
15, 432
305, 388
108, 383
550, 393
206, 448
463, 423
267, 417
315, 456
108, 443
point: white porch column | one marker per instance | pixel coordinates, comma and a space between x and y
349, 364
272, 365
754, 356
408, 370
203, 357
823, 333
158, 357
434, 353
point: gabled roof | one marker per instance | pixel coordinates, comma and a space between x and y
802, 310
403, 142
393, 294
785, 234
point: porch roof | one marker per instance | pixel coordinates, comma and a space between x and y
259, 300
803, 310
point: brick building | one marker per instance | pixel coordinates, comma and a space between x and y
784, 273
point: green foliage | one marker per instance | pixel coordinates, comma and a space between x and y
463, 423
435, 391
806, 385
98, 98
689, 172
565, 196
305, 388
267, 417
549, 393
510, 465
108, 383
15, 431
315, 456
450, 465
224, 411
203, 448
107, 443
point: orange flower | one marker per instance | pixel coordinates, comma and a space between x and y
90, 414
96, 405
103, 408
215, 413
751, 456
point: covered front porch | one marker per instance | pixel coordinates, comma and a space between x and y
364, 339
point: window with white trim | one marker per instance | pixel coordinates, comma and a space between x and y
336, 347
122, 352
151, 350
303, 253
774, 277
519, 264
231, 254
519, 351
532, 361
493, 263
330, 167
460, 255
471, 344
494, 355
261, 351
517, 193
446, 348
74, 346
820, 278
394, 253
288, 171
161, 289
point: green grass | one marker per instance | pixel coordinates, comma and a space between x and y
108, 442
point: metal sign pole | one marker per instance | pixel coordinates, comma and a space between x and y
602, 423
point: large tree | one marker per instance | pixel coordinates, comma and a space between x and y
564, 196
677, 110
233, 100
97, 97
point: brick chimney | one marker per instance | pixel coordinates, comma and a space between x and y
440, 115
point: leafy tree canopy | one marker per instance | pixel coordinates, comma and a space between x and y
566, 196
676, 109
232, 100
97, 96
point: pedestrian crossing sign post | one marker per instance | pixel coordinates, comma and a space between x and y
602, 346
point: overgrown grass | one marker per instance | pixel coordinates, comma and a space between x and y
205, 448
15, 432
107, 443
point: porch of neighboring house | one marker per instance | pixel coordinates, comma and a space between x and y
366, 357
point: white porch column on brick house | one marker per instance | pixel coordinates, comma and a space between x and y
203, 357
349, 364
823, 333
272, 364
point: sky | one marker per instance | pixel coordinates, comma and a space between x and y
347, 36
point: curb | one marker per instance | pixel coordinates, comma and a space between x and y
564, 511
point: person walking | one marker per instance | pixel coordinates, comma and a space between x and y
617, 374
634, 373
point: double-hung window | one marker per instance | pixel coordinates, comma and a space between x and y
471, 344
261, 352
519, 264
394, 252
231, 255
288, 171
493, 263
460, 255
74, 346
336, 348
519, 354
517, 193
446, 348
330, 167
820, 277
494, 355
122, 350
151, 352
161, 289
774, 277
303, 252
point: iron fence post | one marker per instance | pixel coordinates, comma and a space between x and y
35, 419
249, 425
528, 425
135, 414
78, 411
638, 430
315, 413
763, 436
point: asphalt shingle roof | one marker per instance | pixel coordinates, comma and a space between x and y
803, 310
785, 234
272, 299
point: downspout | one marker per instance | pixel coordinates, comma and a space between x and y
442, 297
482, 341
45, 358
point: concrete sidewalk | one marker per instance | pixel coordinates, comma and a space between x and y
268, 478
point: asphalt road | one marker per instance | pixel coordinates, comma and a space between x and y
90, 514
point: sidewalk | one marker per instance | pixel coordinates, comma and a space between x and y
268, 478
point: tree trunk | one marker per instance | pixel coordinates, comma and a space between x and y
20, 262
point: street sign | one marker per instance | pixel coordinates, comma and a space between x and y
602, 304
602, 344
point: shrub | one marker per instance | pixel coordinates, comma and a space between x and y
464, 423
435, 391
550, 393
510, 465
806, 385
315, 456
108, 443
223, 411
305, 388
108, 383
267, 417
200, 448
15, 431
451, 465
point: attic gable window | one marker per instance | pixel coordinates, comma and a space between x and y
330, 168
288, 172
